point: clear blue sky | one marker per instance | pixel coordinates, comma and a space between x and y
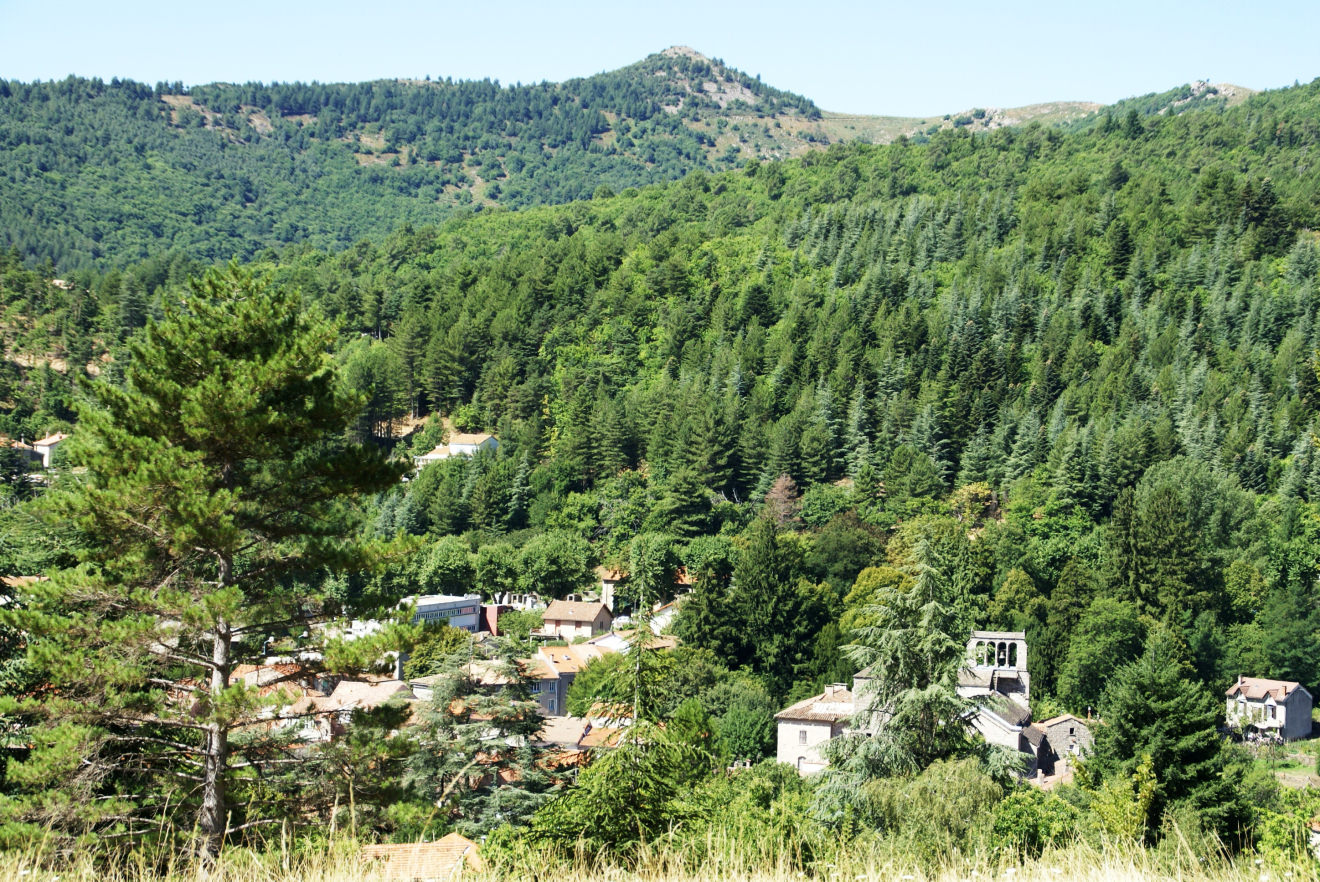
912, 58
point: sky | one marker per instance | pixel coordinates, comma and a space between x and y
908, 59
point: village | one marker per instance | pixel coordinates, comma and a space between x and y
306, 707
995, 680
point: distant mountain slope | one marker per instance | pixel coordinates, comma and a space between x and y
112, 172
1074, 115
1200, 95
96, 173
886, 129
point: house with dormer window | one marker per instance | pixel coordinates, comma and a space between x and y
1275, 707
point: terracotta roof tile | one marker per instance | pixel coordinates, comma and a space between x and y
830, 706
574, 611
470, 437
569, 659
353, 694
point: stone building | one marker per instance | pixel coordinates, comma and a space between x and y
809, 724
1057, 743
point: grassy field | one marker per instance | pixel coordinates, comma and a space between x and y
344, 864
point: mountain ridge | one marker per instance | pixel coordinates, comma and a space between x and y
96, 173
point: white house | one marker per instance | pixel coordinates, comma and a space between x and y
45, 447
1270, 706
460, 444
805, 726
570, 619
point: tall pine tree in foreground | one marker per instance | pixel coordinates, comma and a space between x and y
1153, 710
218, 485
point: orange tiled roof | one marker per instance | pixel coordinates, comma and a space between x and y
828, 707
475, 438
569, 659
574, 611
353, 694
600, 736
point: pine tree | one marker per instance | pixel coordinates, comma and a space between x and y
520, 494
1154, 707
218, 483
472, 736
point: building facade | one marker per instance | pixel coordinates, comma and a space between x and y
571, 619
450, 609
805, 727
1276, 707
1057, 744
996, 665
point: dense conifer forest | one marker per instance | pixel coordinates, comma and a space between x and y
1062, 382
96, 173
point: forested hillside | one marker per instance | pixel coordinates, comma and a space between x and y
1077, 325
1097, 350
1035, 380
107, 173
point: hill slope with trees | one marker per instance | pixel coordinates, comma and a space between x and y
96, 172
106, 174
1056, 382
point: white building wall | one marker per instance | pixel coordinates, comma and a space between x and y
571, 630
800, 742
457, 612
1291, 719
996, 732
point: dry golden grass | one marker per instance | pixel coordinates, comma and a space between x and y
344, 863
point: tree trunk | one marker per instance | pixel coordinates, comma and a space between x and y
213, 819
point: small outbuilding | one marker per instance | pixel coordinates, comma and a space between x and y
447, 858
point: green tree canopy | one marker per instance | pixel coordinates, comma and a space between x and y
1154, 708
218, 485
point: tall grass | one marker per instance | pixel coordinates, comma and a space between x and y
878, 862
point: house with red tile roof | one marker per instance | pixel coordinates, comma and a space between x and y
570, 619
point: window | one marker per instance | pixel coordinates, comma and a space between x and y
802, 736
552, 705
